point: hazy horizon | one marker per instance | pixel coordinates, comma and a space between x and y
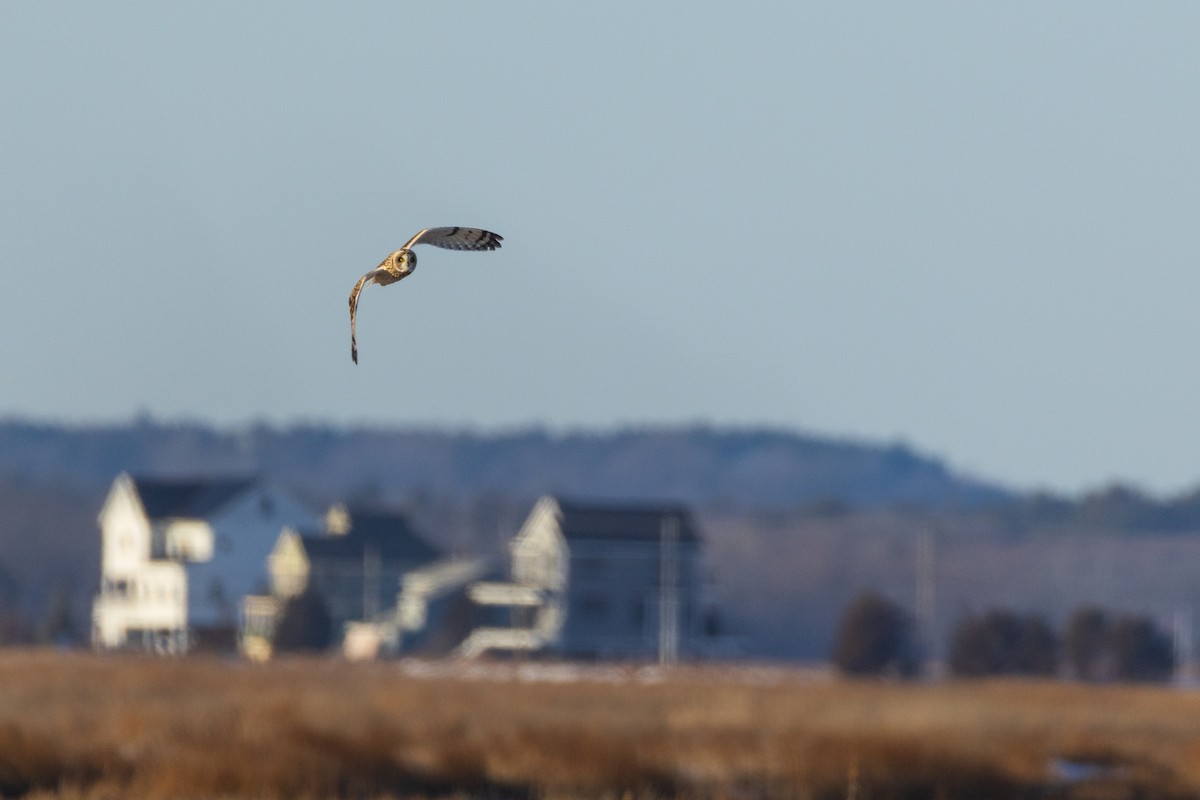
233, 428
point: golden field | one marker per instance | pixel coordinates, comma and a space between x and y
88, 726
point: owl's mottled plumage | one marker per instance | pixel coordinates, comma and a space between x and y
401, 263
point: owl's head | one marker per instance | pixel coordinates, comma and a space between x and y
406, 260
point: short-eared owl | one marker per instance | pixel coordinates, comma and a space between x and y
401, 263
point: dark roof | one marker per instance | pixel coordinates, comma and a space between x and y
595, 521
197, 498
384, 532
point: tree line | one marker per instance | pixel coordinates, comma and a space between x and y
878, 637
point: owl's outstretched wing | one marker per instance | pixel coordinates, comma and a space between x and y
363, 282
457, 239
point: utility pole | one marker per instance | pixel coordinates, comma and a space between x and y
1181, 639
668, 588
371, 568
927, 599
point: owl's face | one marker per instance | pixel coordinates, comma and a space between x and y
405, 260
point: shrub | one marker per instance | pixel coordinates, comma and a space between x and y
1085, 645
1140, 651
1129, 648
875, 638
1003, 643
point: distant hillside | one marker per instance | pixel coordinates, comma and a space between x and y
794, 525
752, 468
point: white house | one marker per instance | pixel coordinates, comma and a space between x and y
177, 556
596, 580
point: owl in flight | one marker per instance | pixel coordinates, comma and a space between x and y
401, 263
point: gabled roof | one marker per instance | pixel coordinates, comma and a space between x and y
598, 521
191, 498
384, 533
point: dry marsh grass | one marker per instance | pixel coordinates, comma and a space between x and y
96, 727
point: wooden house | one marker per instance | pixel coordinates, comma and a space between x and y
602, 580
177, 556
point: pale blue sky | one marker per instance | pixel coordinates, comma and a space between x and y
971, 227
